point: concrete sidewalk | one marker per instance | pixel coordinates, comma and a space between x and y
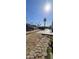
46, 32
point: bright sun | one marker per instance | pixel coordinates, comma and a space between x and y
47, 7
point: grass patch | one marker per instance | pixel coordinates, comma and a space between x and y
48, 53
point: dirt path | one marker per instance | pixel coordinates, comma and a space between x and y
36, 45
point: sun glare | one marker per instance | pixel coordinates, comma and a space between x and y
47, 7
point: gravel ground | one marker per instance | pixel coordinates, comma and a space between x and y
32, 40
36, 44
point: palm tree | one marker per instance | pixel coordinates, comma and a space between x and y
44, 22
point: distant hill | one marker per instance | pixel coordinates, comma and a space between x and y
30, 27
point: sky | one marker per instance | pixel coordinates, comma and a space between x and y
35, 12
